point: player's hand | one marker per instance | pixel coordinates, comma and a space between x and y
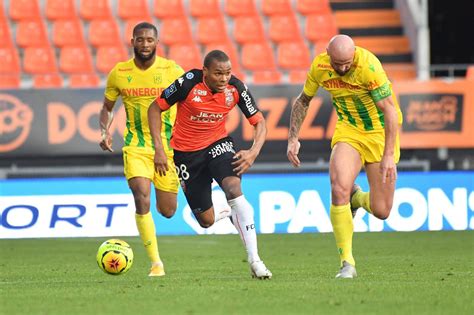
292, 152
388, 169
243, 160
161, 162
106, 143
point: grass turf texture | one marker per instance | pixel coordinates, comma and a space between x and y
399, 273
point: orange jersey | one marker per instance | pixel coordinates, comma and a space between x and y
201, 114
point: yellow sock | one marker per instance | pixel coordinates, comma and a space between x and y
146, 228
361, 199
341, 219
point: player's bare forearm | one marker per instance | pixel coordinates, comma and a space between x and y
259, 136
298, 114
244, 159
391, 124
105, 120
154, 122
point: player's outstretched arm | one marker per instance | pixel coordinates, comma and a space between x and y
105, 120
154, 122
388, 168
298, 114
244, 159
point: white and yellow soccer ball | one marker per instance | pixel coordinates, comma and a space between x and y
115, 257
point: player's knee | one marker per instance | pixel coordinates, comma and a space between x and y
381, 211
167, 211
205, 223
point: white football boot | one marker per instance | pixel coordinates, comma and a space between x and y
259, 270
347, 271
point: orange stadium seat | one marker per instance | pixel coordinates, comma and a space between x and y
284, 28
275, 7
108, 56
31, 33
90, 80
320, 46
128, 29
257, 56
198, 8
75, 60
248, 29
175, 31
267, 77
293, 55
9, 81
187, 56
211, 30
229, 48
67, 33
168, 8
297, 76
60, 9
39, 60
45, 81
307, 7
5, 33
103, 33
320, 27
133, 9
470, 73
9, 60
240, 7
95, 9
24, 10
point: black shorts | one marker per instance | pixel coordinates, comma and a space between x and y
197, 169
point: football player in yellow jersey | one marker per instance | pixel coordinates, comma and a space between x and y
366, 135
139, 81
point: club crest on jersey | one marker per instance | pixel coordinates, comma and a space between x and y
157, 79
229, 97
189, 75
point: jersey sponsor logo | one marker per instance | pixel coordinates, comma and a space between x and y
180, 81
197, 99
221, 148
320, 65
189, 75
170, 90
141, 92
339, 84
208, 117
248, 102
15, 122
199, 92
125, 69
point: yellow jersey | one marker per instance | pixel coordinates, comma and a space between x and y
138, 89
354, 95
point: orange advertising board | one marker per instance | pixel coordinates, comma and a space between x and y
436, 114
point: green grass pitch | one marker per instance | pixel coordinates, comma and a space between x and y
399, 273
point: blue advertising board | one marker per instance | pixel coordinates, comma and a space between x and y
283, 203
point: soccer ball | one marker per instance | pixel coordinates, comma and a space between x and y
115, 257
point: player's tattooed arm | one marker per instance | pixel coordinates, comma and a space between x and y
298, 114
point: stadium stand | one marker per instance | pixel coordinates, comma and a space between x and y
267, 35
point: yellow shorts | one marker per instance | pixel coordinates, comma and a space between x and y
138, 162
370, 145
